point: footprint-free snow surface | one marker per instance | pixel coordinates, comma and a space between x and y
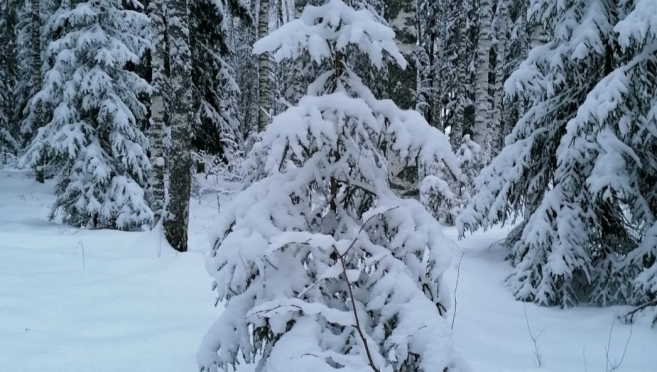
73, 301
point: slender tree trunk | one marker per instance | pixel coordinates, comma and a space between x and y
495, 131
177, 221
158, 109
39, 170
297, 81
264, 96
482, 97
36, 43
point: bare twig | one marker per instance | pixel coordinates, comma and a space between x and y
353, 307
456, 287
537, 350
81, 245
629, 316
586, 368
84, 264
614, 366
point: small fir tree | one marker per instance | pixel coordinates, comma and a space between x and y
92, 131
322, 266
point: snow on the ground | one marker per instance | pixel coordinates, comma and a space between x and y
130, 303
490, 328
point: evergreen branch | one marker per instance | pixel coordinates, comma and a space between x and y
363, 227
359, 185
630, 315
351, 292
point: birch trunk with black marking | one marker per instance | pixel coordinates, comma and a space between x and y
482, 97
264, 96
158, 117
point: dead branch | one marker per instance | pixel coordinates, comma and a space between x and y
353, 308
456, 287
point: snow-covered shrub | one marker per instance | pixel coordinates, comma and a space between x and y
320, 264
469, 155
446, 199
438, 198
580, 163
8, 160
92, 132
219, 176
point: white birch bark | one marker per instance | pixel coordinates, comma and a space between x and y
157, 122
482, 97
264, 96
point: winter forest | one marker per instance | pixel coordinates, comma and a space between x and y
341, 156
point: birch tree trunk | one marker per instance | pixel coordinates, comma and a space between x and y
158, 117
495, 133
177, 221
482, 98
264, 96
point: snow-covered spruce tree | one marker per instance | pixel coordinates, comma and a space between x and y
447, 38
580, 162
24, 89
36, 29
8, 68
636, 84
93, 130
321, 266
469, 155
8, 77
501, 23
216, 93
401, 83
430, 57
243, 62
41, 32
516, 52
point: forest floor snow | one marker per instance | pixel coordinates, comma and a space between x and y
108, 301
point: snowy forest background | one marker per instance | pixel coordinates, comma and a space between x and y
351, 146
